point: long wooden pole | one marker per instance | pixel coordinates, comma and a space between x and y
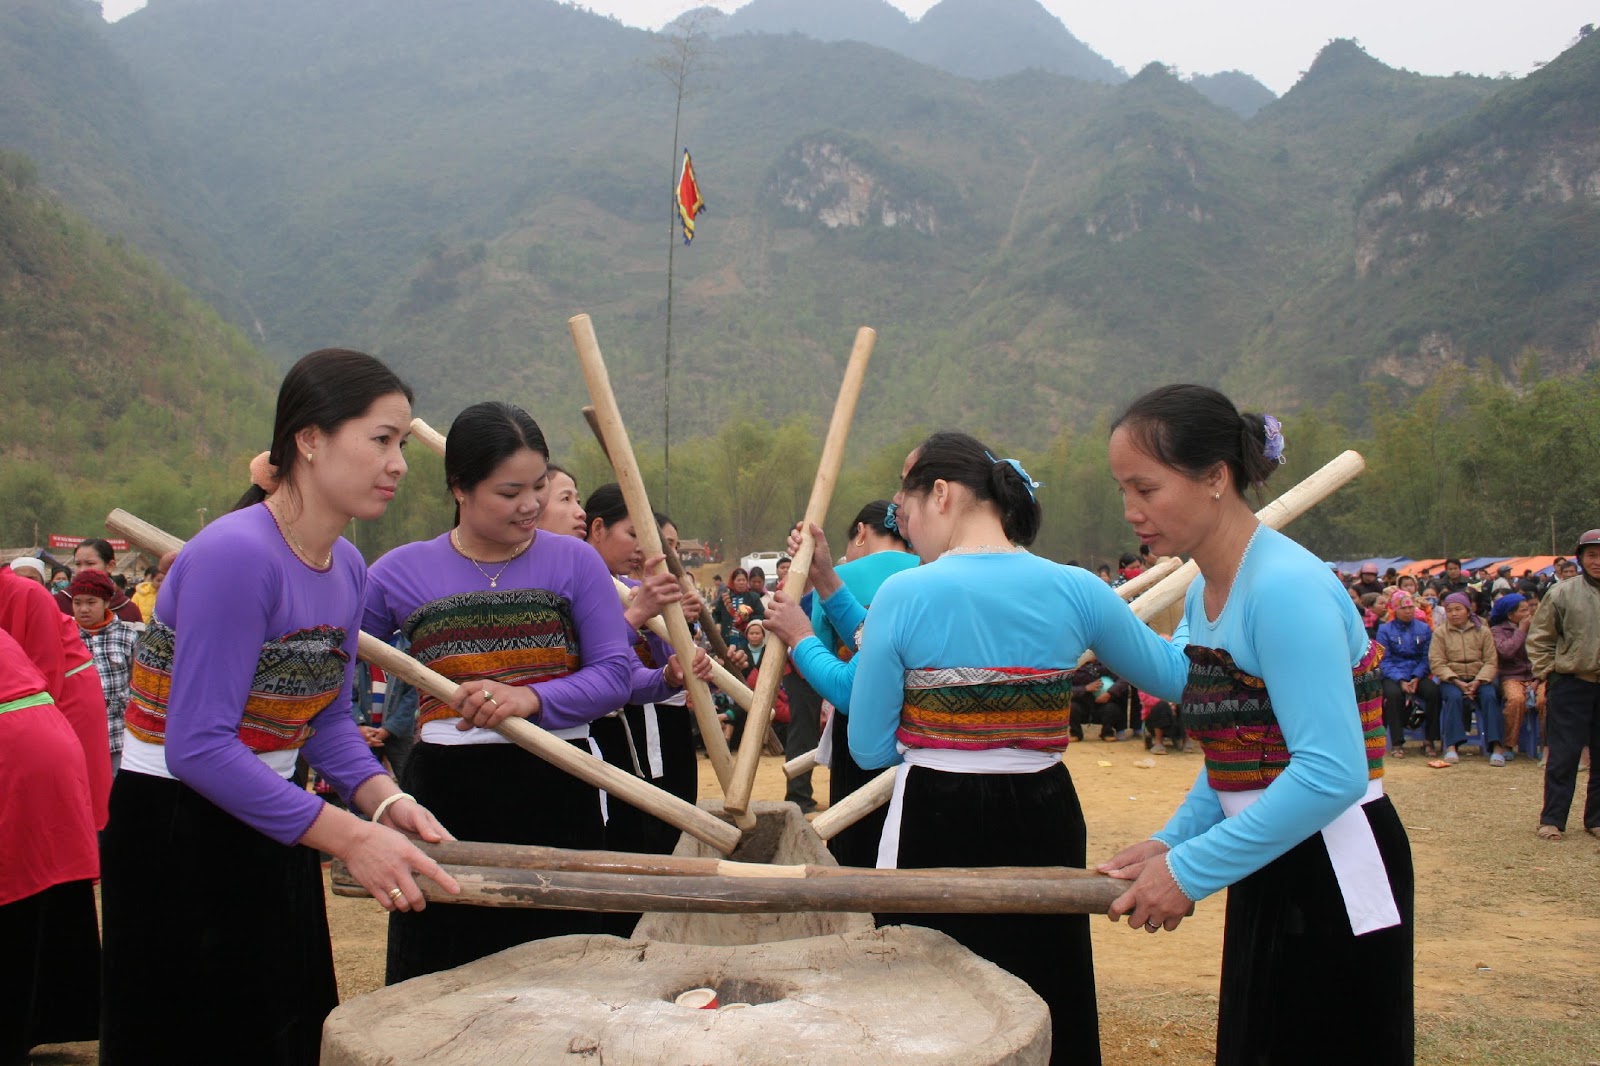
631, 481
719, 647
737, 797
852, 891
1321, 484
702, 825
542, 857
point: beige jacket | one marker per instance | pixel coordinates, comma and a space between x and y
1564, 636
1464, 653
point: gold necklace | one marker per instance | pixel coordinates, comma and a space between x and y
287, 532
494, 578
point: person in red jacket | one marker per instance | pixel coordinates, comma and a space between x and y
49, 943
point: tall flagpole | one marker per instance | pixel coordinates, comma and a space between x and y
666, 391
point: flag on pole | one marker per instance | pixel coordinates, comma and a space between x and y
689, 202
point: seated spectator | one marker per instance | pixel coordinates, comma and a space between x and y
110, 641
1464, 662
1429, 610
1519, 689
1100, 698
1406, 641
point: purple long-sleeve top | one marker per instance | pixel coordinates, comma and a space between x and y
649, 683
234, 587
1510, 641
413, 576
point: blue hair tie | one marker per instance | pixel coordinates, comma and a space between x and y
1023, 474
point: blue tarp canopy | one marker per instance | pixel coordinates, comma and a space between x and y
1383, 563
1483, 561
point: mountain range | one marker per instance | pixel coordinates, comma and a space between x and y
1036, 236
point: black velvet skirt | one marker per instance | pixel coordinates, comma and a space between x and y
858, 844
1297, 985
500, 794
49, 970
628, 828
215, 937
951, 819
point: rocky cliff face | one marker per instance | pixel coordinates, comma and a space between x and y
1395, 221
840, 185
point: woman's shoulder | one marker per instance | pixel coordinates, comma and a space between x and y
405, 555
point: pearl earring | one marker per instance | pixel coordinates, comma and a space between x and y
1216, 495
310, 458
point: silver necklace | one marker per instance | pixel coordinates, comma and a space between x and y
494, 578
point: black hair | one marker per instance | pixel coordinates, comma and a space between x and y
1127, 559
963, 460
875, 517
1448, 563
1192, 428
607, 504
54, 570
325, 389
557, 468
482, 437
121, 581
101, 548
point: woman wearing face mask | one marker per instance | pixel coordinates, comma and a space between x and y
525, 622
963, 678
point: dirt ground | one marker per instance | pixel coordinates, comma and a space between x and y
1506, 924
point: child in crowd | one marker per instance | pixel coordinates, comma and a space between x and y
110, 641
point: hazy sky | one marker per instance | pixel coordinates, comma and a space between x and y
1272, 39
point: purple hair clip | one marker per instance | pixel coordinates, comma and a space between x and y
1274, 443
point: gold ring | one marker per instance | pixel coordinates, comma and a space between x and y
396, 895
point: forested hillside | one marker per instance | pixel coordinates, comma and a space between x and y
121, 389
445, 184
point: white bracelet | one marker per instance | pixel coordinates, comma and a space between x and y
377, 815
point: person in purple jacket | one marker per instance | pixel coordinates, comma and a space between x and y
528, 623
215, 931
651, 735
1406, 639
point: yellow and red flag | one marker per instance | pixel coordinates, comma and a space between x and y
689, 202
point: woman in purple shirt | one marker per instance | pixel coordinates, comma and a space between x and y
528, 624
216, 936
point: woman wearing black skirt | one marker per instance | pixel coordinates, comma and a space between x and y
1285, 696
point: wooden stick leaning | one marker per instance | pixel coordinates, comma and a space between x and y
737, 798
1334, 475
719, 647
702, 825
802, 763
851, 890
617, 446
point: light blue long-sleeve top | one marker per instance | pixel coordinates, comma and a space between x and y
1289, 622
1003, 609
842, 613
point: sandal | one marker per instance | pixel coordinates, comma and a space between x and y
1398, 753
1549, 832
